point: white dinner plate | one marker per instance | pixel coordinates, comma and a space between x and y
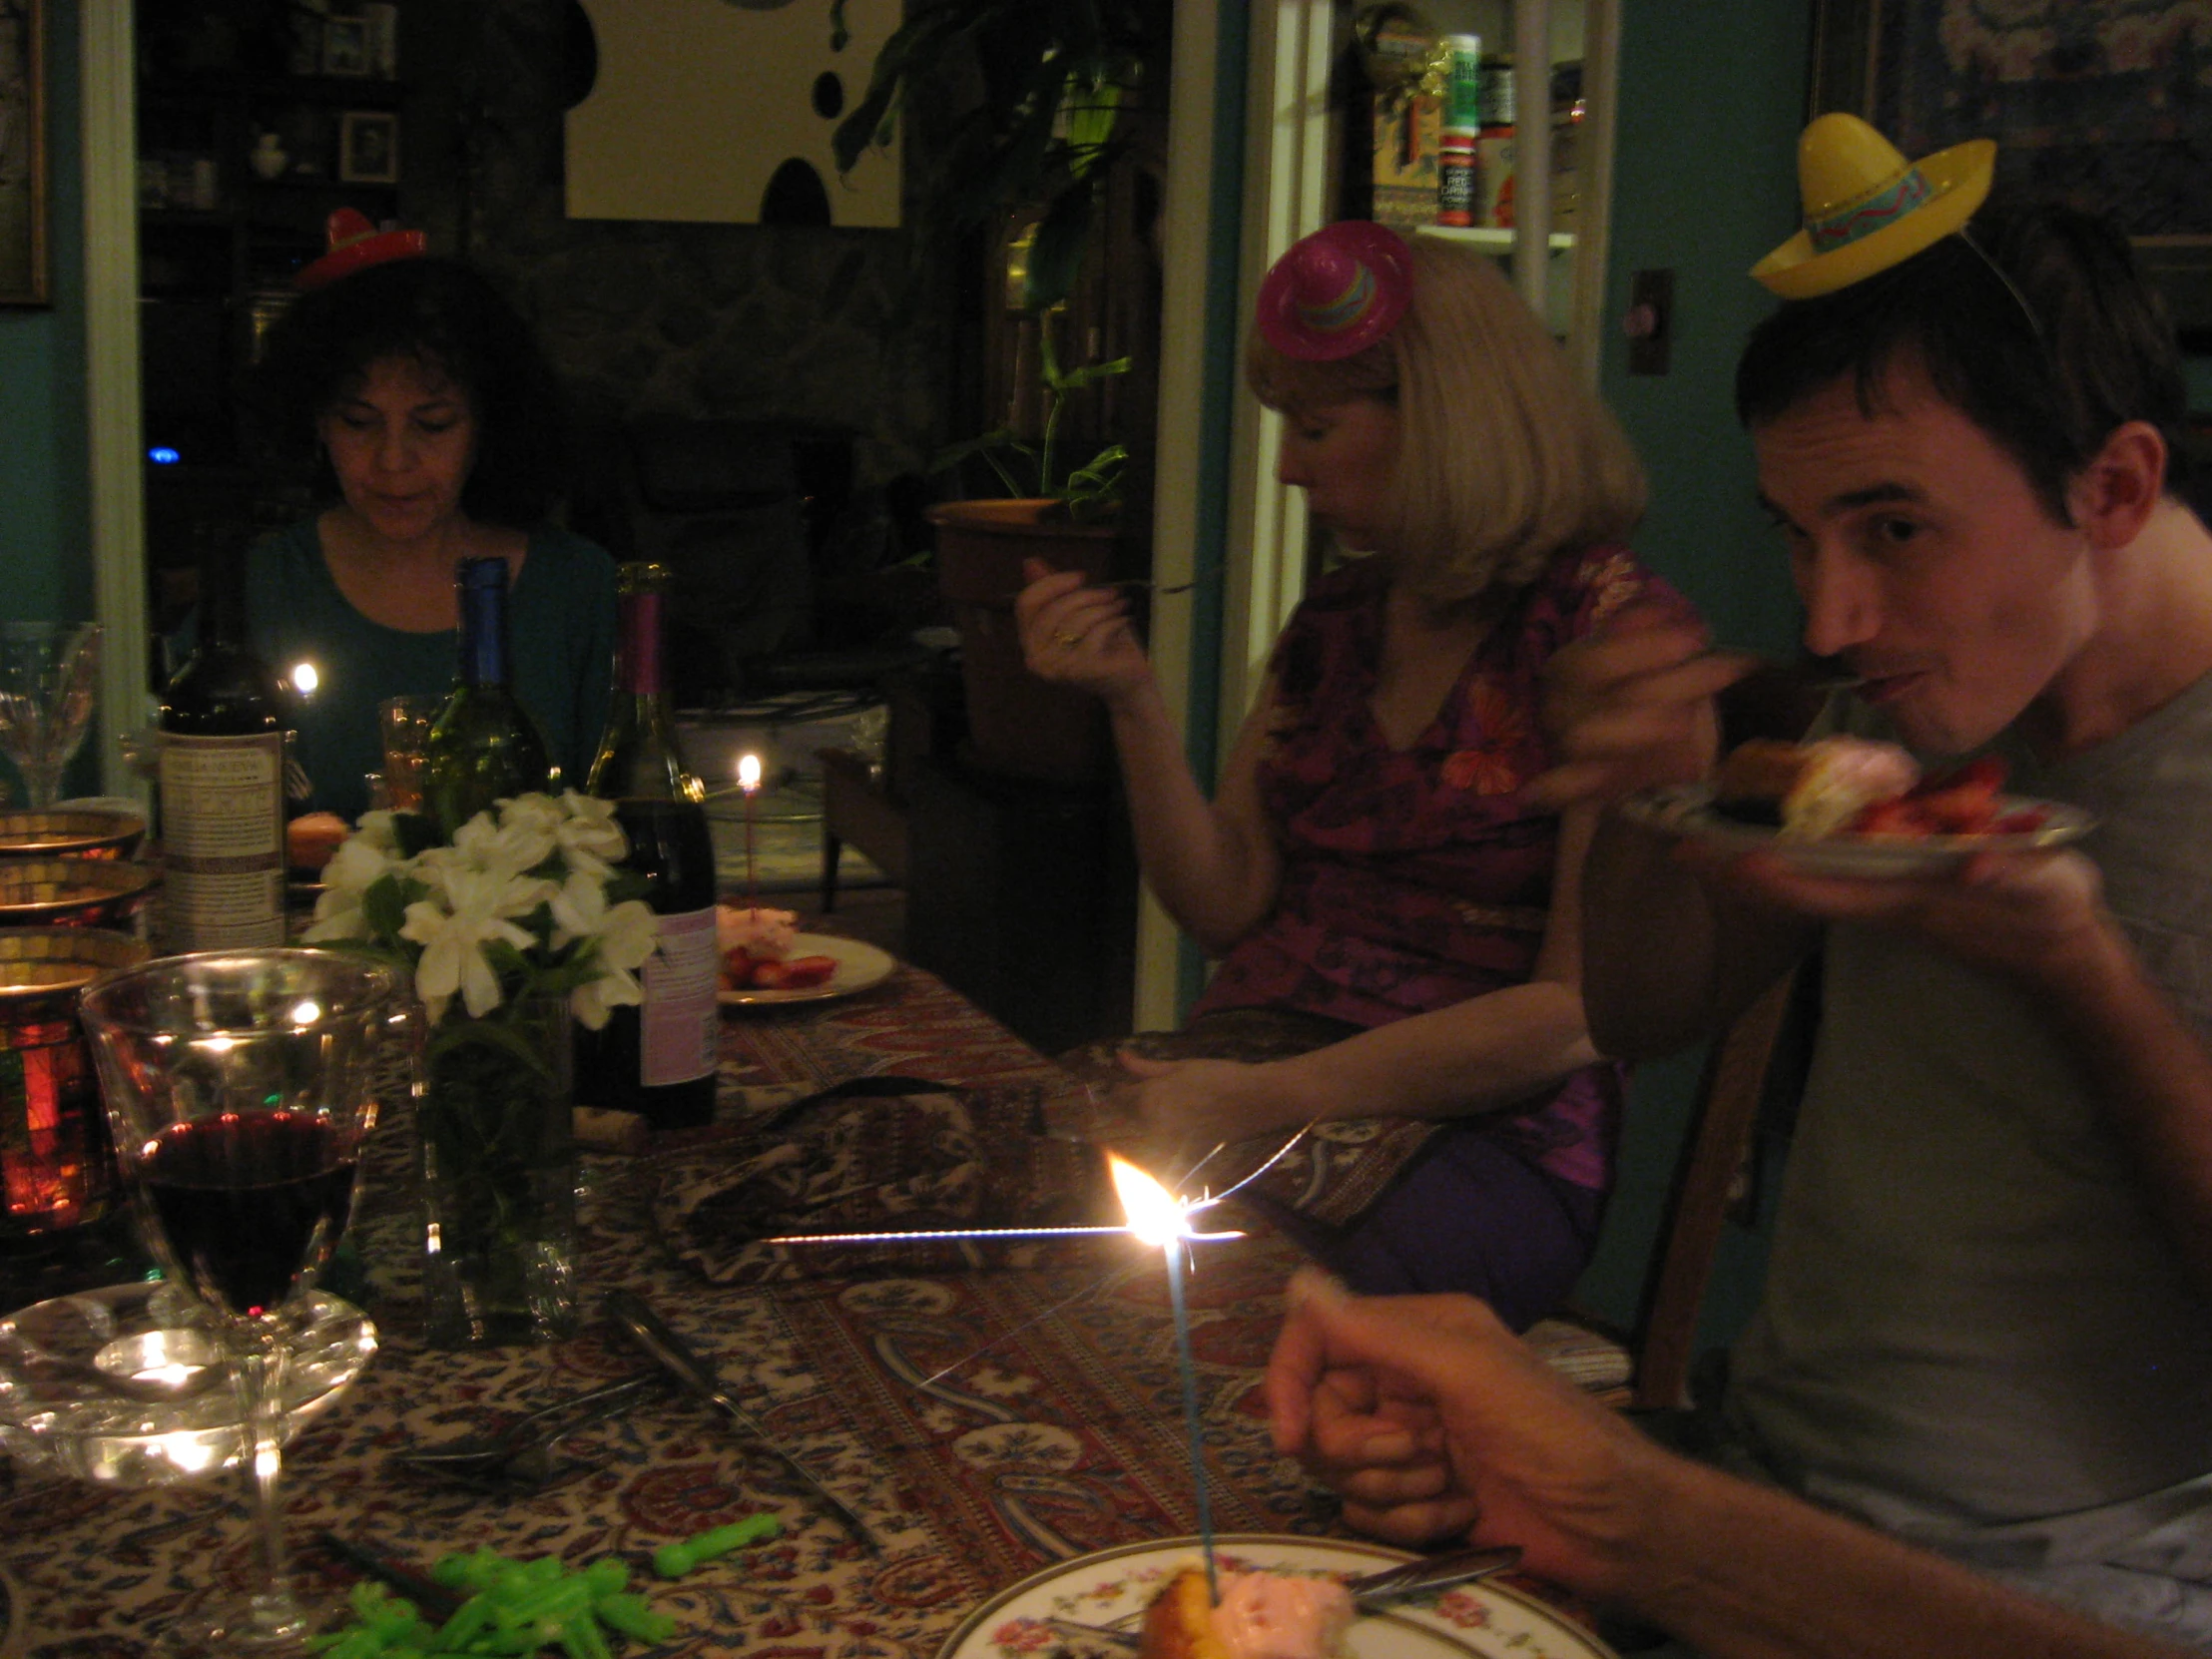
1687, 810
1485, 1620
858, 967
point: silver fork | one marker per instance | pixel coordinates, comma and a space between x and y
520, 1456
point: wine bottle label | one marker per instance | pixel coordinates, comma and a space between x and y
677, 1026
222, 837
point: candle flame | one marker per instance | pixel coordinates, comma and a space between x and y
1156, 1215
304, 679
749, 772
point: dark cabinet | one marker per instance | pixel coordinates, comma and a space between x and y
1022, 896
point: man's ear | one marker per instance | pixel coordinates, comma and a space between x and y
2113, 495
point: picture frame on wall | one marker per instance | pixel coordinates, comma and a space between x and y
2104, 113
368, 147
23, 252
345, 47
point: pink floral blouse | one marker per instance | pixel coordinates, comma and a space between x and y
1416, 879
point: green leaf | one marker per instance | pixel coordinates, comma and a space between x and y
1092, 112
416, 832
1077, 378
1056, 252
385, 905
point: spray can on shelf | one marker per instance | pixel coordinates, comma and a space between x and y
1493, 145
1457, 182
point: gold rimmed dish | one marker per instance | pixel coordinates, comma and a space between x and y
71, 892
1485, 1620
70, 833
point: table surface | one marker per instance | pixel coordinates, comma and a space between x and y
986, 1424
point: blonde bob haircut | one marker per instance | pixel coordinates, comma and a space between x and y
1505, 457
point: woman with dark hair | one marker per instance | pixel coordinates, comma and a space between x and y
434, 421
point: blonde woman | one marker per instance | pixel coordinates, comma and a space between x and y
1396, 928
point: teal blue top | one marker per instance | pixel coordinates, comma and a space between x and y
562, 623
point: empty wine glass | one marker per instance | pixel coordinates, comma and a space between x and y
49, 676
240, 1087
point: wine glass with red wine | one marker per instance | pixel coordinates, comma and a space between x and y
240, 1087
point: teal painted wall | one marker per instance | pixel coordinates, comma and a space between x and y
44, 491
1712, 98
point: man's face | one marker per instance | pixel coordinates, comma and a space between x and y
1924, 559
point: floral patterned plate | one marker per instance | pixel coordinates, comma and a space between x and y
1486, 1620
858, 967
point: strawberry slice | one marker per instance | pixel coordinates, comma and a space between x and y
801, 971
737, 969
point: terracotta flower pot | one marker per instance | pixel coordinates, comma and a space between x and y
1018, 723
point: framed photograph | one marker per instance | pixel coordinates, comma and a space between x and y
2103, 112
368, 147
346, 49
22, 277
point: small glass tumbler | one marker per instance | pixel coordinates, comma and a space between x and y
404, 722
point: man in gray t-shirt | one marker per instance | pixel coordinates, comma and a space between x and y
1987, 1321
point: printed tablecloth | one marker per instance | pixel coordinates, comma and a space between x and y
985, 1422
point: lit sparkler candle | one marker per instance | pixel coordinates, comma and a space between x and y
749, 780
1158, 1218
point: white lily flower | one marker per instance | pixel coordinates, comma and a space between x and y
356, 864
629, 936
452, 943
337, 915
591, 1003
626, 932
376, 830
590, 838
521, 842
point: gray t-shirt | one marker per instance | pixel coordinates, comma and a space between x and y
1974, 1333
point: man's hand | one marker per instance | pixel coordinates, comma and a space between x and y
2034, 917
1432, 1418
1630, 707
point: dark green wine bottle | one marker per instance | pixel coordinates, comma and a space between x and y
657, 1059
483, 747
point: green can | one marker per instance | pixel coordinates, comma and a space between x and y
1463, 84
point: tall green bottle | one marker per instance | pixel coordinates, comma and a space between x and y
484, 746
658, 1059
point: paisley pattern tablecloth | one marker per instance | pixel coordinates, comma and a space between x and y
985, 1422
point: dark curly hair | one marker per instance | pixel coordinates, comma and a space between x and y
2042, 331
441, 314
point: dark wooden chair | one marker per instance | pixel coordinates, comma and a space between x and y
1649, 1365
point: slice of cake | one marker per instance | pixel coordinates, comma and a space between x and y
1809, 789
1262, 1615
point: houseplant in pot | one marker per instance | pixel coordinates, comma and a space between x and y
1068, 518
1041, 164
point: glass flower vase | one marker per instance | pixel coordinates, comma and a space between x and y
498, 1168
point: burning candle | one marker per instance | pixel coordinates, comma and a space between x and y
304, 679
749, 780
1158, 1218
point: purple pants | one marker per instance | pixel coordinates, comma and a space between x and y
1466, 1215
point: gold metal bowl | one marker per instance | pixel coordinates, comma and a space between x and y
37, 963
70, 833
71, 892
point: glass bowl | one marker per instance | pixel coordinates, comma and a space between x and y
125, 1384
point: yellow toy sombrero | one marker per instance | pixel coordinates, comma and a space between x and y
1867, 208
